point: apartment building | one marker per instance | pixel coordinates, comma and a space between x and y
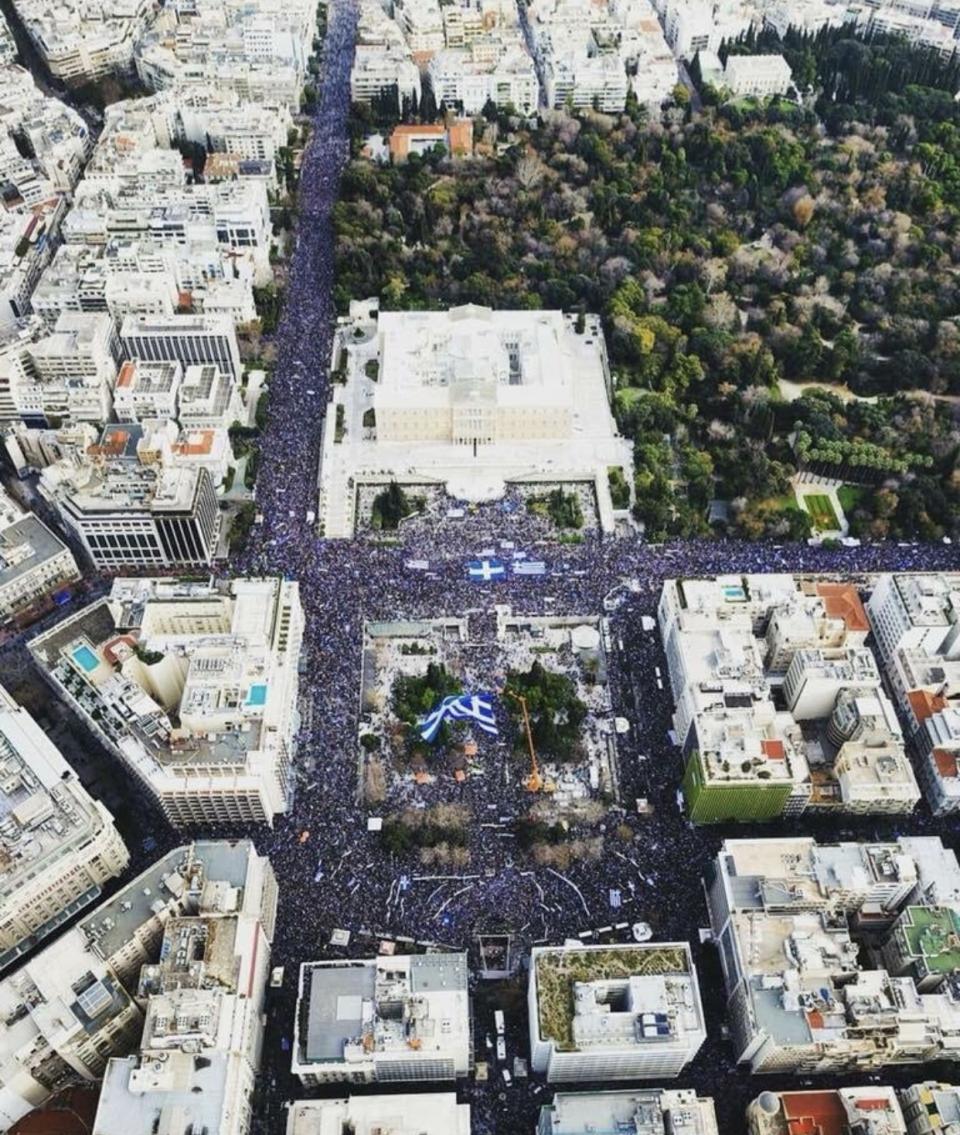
81, 42
463, 79
872, 1110
647, 1111
930, 1108
418, 1113
77, 1003
34, 563
789, 919
74, 369
147, 390
128, 509
26, 243
614, 1012
199, 1055
257, 51
385, 1019
154, 670
58, 846
54, 136
779, 705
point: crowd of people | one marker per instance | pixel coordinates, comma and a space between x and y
333, 872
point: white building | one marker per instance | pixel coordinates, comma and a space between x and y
256, 51
421, 22
209, 398
915, 612
930, 1108
147, 390
759, 76
874, 1110
80, 42
192, 686
779, 705
58, 846
647, 1111
461, 79
54, 135
389, 1018
74, 372
786, 916
420, 1113
26, 242
203, 1025
130, 510
379, 71
186, 339
144, 276
613, 1012
587, 80
469, 398
75, 1004
916, 625
34, 563
383, 64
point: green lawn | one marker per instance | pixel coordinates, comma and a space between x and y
821, 512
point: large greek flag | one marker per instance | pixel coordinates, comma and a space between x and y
486, 570
477, 707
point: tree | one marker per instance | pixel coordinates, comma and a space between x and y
556, 713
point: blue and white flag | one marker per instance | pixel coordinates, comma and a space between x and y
485, 571
477, 707
436, 717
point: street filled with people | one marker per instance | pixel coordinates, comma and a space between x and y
335, 873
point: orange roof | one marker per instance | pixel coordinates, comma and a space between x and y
127, 371
924, 704
461, 136
114, 443
416, 131
877, 1103
110, 654
841, 601
814, 1113
773, 749
196, 444
946, 762
72, 1112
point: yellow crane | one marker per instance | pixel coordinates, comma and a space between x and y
534, 782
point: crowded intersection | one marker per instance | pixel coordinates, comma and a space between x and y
333, 872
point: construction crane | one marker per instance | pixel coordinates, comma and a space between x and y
534, 782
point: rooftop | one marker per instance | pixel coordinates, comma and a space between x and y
633, 980
357, 1009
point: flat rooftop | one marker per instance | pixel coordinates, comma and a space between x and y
24, 546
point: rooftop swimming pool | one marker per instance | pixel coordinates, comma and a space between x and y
257, 695
86, 659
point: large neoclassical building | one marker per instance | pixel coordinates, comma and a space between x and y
468, 398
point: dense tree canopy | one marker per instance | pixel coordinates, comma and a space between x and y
746, 258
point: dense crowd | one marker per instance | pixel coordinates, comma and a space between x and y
332, 871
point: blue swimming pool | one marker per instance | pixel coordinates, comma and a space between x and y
734, 594
86, 659
257, 695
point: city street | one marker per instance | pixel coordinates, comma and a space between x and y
340, 876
